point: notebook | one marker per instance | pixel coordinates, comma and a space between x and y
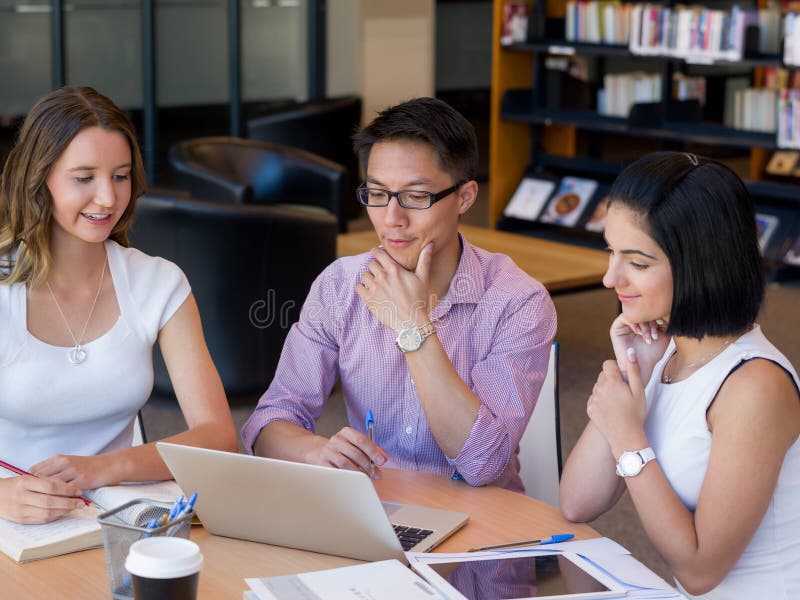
320, 509
79, 529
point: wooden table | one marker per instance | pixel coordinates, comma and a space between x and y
559, 267
496, 516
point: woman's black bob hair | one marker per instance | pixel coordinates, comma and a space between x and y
702, 216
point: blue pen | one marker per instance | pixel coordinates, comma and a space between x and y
553, 539
176, 508
189, 505
370, 427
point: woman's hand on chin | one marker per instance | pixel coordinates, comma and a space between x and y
616, 407
647, 339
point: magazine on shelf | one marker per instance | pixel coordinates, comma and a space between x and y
597, 219
765, 226
793, 254
529, 199
783, 162
515, 22
569, 201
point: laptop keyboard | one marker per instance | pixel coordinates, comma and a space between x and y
410, 536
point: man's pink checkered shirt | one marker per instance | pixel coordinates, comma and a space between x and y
496, 324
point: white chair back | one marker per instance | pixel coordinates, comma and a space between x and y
540, 446
139, 437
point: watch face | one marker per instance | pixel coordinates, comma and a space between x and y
409, 339
630, 463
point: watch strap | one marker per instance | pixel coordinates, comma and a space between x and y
426, 330
645, 455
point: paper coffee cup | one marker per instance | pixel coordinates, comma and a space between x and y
164, 567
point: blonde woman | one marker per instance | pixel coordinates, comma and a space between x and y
80, 312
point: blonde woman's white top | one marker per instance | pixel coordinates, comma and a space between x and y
677, 429
48, 405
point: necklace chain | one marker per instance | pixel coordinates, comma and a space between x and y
77, 354
666, 378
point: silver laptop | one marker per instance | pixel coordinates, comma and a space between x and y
321, 509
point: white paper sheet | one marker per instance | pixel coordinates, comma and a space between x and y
383, 580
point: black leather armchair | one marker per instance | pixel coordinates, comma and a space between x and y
250, 268
324, 127
240, 171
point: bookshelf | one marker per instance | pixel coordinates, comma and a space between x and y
530, 136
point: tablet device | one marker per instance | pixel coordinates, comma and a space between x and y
519, 575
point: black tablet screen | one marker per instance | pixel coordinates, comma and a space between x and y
518, 577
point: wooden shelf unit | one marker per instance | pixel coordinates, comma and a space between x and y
517, 122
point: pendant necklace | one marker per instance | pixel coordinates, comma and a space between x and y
665, 378
77, 354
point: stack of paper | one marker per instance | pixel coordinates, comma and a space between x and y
384, 580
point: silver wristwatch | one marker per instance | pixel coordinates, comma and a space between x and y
632, 462
410, 339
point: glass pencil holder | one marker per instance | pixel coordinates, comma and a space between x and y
127, 523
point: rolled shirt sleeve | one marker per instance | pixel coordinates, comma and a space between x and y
507, 383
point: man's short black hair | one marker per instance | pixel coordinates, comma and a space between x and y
429, 121
703, 218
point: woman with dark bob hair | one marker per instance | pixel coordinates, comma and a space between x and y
80, 312
698, 417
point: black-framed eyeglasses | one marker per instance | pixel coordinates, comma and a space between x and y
369, 196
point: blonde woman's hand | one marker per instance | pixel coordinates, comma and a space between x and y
28, 499
85, 472
647, 339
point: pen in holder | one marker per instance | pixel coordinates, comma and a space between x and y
127, 523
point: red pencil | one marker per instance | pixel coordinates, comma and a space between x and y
19, 471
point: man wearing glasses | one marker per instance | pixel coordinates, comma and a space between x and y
444, 343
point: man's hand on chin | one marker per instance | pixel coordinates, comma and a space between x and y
398, 297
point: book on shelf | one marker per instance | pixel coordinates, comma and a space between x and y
792, 256
78, 530
769, 30
622, 90
529, 199
685, 87
569, 201
789, 118
791, 39
698, 33
756, 109
733, 85
597, 22
766, 225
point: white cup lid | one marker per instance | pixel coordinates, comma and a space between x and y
164, 557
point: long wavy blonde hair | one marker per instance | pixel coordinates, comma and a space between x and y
25, 200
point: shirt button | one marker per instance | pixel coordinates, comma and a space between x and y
409, 429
